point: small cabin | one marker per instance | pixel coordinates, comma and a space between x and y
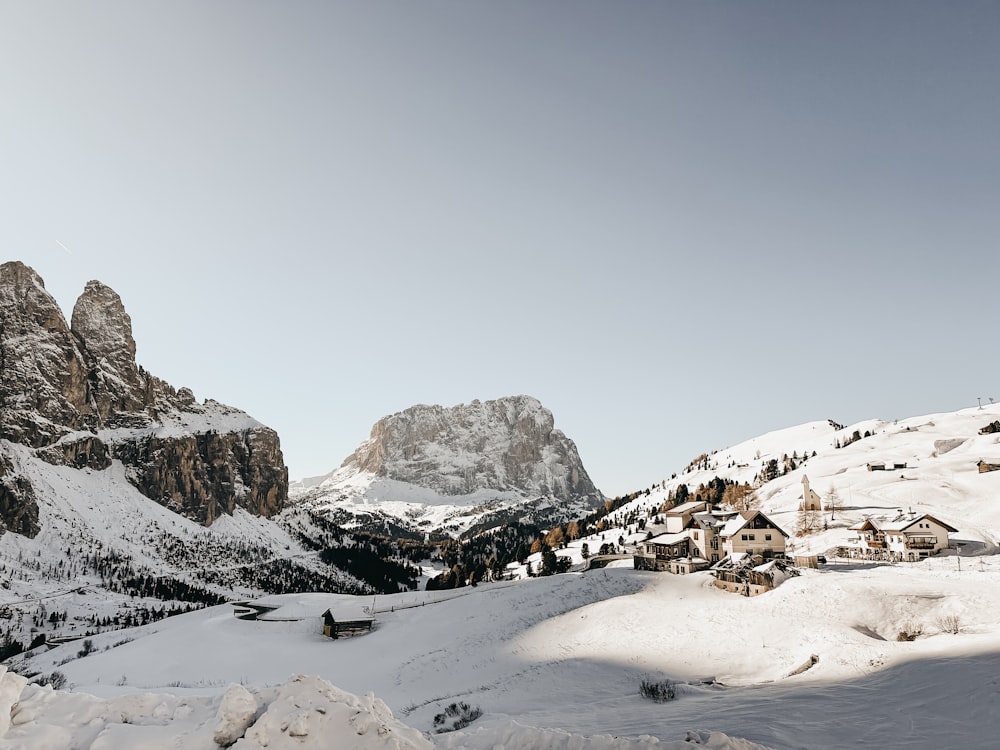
887, 466
334, 627
985, 466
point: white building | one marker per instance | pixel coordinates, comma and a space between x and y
906, 539
753, 533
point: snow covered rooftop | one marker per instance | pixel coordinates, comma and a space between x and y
683, 508
734, 524
712, 519
680, 536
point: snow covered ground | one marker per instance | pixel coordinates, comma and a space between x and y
568, 653
551, 662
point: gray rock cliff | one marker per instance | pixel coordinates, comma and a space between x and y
506, 444
75, 394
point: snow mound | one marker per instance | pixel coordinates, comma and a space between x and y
310, 712
236, 714
304, 712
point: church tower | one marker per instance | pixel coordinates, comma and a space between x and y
810, 500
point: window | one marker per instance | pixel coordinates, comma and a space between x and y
750, 537
767, 537
743, 537
695, 534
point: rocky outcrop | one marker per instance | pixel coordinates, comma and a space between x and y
207, 474
507, 444
114, 380
76, 395
18, 506
79, 451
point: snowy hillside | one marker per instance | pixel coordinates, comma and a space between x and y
569, 652
940, 451
106, 556
123, 499
855, 653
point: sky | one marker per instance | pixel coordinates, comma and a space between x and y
677, 224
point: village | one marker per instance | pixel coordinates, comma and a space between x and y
747, 552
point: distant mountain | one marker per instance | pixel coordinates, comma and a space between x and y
450, 469
75, 395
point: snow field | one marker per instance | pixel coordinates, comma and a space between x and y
565, 654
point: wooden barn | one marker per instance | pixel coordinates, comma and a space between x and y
340, 624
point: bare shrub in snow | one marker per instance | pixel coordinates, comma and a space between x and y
57, 680
910, 632
659, 691
456, 716
949, 624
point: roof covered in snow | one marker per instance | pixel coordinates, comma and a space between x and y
668, 538
688, 507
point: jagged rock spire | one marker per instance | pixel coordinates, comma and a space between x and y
57, 379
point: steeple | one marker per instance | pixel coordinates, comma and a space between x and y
810, 500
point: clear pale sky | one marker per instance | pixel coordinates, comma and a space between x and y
677, 224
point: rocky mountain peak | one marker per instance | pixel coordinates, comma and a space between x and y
508, 444
76, 395
101, 323
99, 318
42, 372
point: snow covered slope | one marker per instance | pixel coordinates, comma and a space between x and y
569, 652
106, 556
446, 470
853, 654
940, 452
109, 478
